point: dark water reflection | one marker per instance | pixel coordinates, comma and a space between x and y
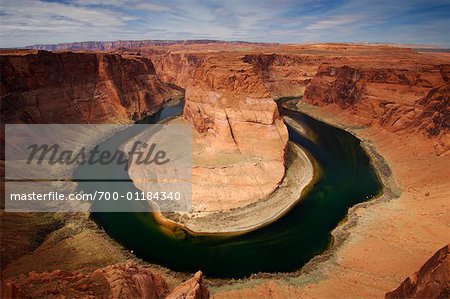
347, 178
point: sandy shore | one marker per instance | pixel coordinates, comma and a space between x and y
299, 174
383, 241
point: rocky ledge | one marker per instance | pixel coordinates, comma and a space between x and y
66, 87
431, 281
123, 280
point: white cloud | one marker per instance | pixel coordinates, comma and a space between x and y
125, 4
333, 22
28, 14
25, 22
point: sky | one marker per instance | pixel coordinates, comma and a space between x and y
28, 22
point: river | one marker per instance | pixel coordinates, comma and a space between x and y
347, 178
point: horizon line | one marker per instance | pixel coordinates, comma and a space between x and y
399, 44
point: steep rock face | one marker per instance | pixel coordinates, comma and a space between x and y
344, 90
240, 143
399, 99
9, 290
238, 122
210, 72
131, 281
266, 75
45, 87
240, 138
436, 117
123, 280
282, 74
117, 281
190, 289
431, 281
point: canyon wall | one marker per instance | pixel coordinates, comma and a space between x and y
46, 87
399, 89
396, 88
408, 99
229, 91
431, 281
283, 74
240, 139
122, 280
274, 75
125, 44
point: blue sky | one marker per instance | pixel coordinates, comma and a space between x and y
27, 22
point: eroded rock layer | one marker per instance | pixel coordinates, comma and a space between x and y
192, 288
431, 281
240, 139
239, 148
46, 87
123, 280
412, 98
396, 98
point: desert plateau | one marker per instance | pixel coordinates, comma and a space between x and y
280, 169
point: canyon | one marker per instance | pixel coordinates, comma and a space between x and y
46, 87
394, 99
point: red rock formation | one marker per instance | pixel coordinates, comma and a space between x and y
344, 90
380, 84
45, 87
412, 98
9, 291
431, 281
436, 115
132, 281
240, 144
127, 280
190, 289
232, 110
283, 74
396, 89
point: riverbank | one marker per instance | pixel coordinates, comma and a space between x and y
382, 241
300, 173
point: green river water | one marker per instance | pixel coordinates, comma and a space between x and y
347, 178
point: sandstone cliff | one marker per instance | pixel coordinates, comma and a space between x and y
253, 74
46, 87
190, 289
240, 139
390, 90
380, 84
123, 280
239, 148
435, 119
399, 99
283, 74
431, 281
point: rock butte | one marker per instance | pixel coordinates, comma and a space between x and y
396, 98
46, 87
431, 281
124, 280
